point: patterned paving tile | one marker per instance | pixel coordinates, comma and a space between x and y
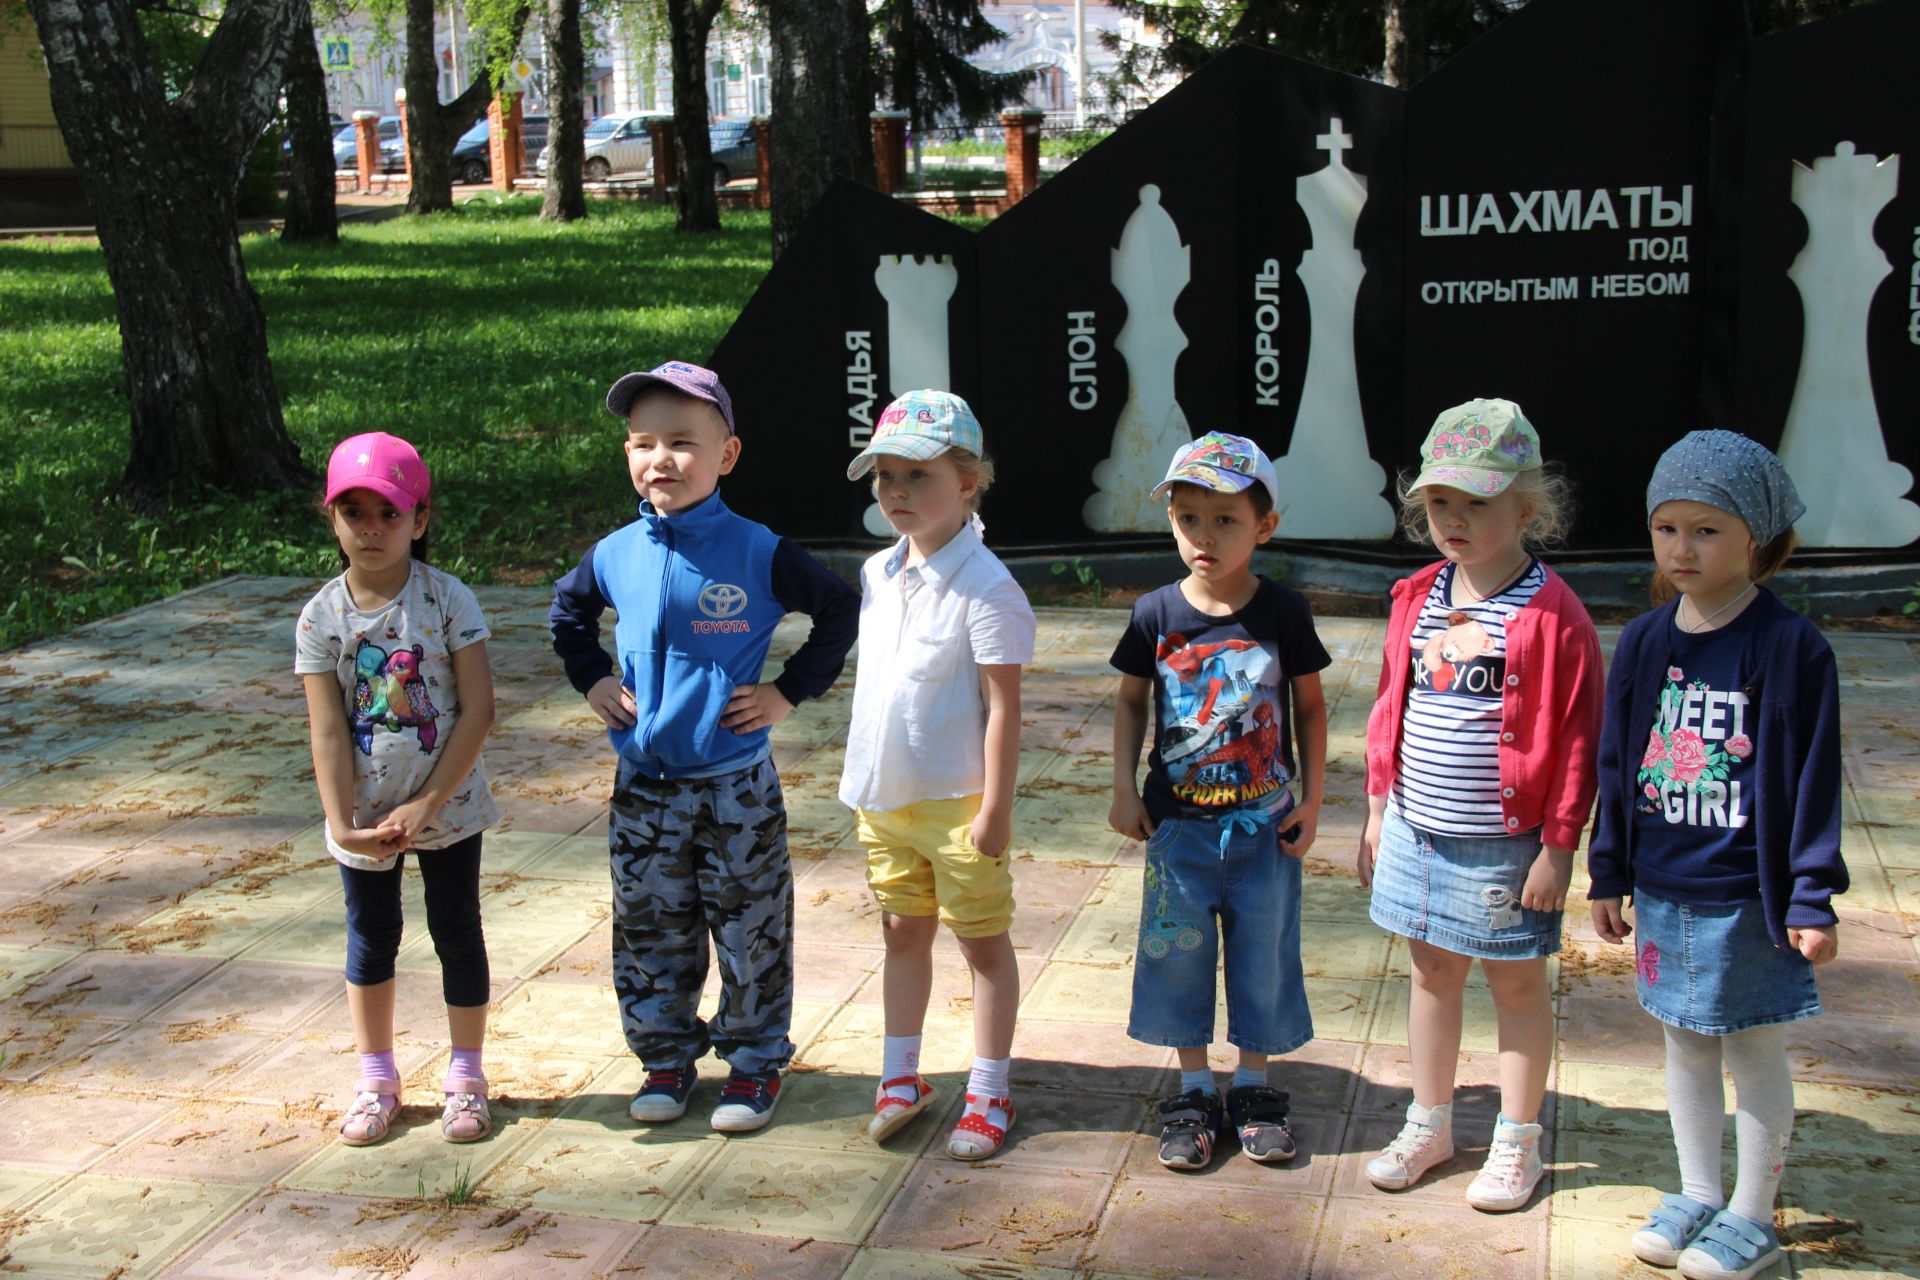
171, 944
96, 1226
692, 1253
300, 1235
1020, 1215
753, 1185
1155, 1226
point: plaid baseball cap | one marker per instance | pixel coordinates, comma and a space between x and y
688, 379
921, 425
1478, 447
1223, 463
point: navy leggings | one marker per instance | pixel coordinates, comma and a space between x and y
451, 877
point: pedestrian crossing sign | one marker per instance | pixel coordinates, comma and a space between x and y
336, 54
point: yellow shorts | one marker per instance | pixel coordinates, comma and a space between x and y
921, 859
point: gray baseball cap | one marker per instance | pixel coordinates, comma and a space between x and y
688, 379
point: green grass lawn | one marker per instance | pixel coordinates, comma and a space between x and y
485, 337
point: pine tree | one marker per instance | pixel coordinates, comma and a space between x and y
921, 63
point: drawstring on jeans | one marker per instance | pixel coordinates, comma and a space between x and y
1245, 820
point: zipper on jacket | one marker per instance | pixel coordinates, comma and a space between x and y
659, 652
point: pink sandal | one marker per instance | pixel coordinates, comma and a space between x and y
976, 1137
466, 1118
892, 1114
367, 1121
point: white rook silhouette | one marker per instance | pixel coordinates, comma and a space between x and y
1150, 269
917, 334
1330, 486
1832, 444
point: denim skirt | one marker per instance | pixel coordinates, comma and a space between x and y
1714, 969
1460, 893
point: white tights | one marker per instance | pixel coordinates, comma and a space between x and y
1696, 1097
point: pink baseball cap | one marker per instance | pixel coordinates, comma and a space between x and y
385, 464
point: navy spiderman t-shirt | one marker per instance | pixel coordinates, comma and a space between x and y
1223, 724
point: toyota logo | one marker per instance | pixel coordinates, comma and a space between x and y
722, 600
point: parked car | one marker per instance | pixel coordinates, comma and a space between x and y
733, 150
473, 156
614, 144
393, 152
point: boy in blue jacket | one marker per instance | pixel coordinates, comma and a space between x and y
698, 825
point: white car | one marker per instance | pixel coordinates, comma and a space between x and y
614, 144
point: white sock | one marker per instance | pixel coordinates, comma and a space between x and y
1201, 1079
1249, 1077
1697, 1105
989, 1081
900, 1058
1763, 1119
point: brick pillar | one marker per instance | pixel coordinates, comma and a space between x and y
366, 147
406, 148
1023, 153
505, 149
890, 150
763, 162
665, 162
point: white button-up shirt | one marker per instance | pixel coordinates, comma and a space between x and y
919, 712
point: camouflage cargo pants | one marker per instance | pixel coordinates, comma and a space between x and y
694, 858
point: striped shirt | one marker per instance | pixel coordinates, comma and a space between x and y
1449, 779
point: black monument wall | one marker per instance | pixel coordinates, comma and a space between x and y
1591, 211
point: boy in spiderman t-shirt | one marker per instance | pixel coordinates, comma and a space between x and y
1229, 663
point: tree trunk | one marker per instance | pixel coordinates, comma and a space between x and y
822, 105
310, 209
565, 199
1406, 59
161, 179
432, 126
689, 21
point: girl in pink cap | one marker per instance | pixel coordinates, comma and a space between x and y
393, 654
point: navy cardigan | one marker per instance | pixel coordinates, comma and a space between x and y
1788, 672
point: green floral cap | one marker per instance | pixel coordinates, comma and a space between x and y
1478, 447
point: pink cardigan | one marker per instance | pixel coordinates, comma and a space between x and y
1556, 690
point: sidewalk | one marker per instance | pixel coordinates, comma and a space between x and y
176, 1043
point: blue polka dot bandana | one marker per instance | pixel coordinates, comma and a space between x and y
1726, 470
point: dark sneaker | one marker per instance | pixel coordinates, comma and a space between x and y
1259, 1116
664, 1095
747, 1102
1190, 1128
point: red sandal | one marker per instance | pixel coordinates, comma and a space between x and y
892, 1114
976, 1137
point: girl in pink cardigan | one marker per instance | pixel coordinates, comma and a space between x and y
1480, 779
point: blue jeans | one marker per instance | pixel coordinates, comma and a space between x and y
451, 877
1200, 871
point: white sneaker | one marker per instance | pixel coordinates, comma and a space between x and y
1425, 1141
1512, 1170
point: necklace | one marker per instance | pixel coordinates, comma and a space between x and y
1458, 582
1701, 625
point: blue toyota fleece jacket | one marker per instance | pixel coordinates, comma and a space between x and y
698, 595
1790, 675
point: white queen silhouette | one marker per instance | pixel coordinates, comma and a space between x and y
1832, 443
